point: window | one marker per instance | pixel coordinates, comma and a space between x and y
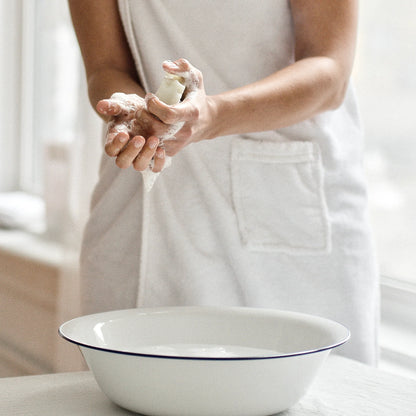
386, 84
41, 72
40, 69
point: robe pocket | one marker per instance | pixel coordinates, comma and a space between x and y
279, 197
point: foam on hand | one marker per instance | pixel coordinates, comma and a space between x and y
170, 92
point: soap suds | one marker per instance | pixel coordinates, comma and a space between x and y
129, 121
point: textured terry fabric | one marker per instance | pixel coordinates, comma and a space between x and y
274, 219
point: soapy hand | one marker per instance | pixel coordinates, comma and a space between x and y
141, 132
132, 133
191, 119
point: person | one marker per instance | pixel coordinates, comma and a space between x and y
264, 204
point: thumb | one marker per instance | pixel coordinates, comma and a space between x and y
108, 108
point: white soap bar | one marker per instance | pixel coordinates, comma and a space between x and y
171, 89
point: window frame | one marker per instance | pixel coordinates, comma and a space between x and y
398, 326
10, 106
27, 179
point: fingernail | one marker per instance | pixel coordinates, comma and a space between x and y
122, 138
160, 154
138, 143
153, 144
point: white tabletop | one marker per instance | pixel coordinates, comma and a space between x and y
343, 388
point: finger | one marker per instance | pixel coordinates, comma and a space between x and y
115, 128
129, 103
172, 147
159, 160
126, 157
115, 143
181, 67
108, 108
178, 66
168, 114
142, 161
159, 109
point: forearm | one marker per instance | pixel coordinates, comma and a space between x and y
103, 83
108, 61
291, 95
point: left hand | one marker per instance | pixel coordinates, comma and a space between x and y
193, 117
131, 138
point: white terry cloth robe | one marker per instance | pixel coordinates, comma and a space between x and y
275, 219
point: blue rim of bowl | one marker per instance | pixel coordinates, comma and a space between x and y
176, 357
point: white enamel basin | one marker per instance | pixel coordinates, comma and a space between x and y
204, 361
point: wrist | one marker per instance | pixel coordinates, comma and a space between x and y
218, 109
212, 110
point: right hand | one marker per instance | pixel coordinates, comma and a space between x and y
132, 133
194, 118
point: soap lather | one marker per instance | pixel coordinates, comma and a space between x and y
170, 92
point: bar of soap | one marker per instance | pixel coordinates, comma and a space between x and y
171, 89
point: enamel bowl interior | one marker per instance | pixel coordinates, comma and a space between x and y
175, 360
